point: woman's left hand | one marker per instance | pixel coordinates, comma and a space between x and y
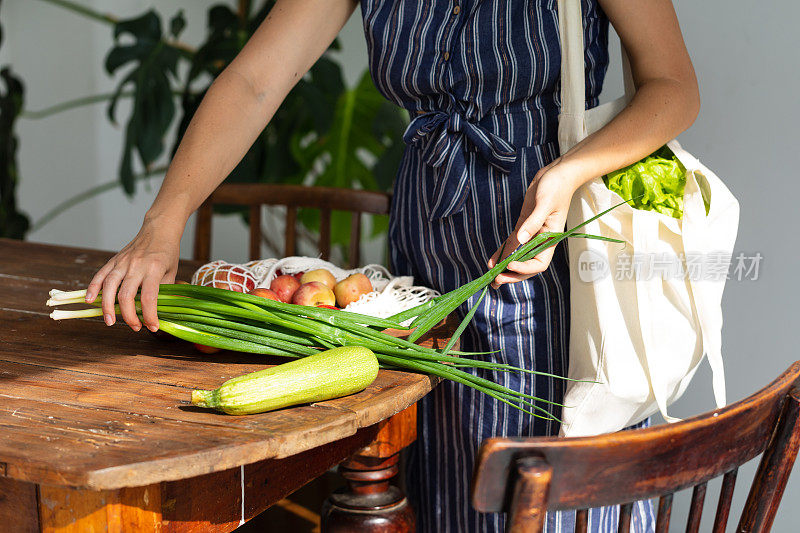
544, 209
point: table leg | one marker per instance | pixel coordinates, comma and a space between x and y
18, 505
370, 502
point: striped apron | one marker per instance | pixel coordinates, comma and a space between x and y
481, 81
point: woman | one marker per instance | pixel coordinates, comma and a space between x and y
481, 174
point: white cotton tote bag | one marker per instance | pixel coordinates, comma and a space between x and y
638, 335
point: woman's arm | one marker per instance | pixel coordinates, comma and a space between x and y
665, 104
235, 110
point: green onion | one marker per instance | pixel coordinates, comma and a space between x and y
447, 303
247, 323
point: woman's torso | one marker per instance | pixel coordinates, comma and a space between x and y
495, 62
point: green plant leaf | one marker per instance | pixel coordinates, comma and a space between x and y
14, 223
363, 128
177, 24
153, 71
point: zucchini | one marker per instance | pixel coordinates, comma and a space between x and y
314, 378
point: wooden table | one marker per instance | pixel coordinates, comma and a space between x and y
97, 433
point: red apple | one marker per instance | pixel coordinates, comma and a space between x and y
320, 275
298, 275
233, 278
265, 293
206, 349
314, 294
285, 286
329, 307
352, 288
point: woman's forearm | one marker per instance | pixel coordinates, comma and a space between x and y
661, 109
237, 106
665, 104
226, 123
243, 99
666, 101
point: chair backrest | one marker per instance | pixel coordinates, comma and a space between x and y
325, 199
528, 476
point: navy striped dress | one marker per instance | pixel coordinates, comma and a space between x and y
481, 81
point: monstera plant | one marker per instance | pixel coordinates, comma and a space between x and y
324, 133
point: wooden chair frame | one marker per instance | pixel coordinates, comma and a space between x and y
528, 476
294, 197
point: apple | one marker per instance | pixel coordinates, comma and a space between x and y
206, 349
314, 293
298, 275
233, 278
265, 293
285, 286
352, 288
323, 306
320, 275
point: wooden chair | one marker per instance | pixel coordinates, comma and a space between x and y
325, 199
526, 477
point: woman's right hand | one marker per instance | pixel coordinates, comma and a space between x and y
150, 259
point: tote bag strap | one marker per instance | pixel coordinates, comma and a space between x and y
572, 118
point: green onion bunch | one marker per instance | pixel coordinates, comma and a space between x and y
247, 323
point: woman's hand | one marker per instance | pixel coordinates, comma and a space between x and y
544, 209
150, 259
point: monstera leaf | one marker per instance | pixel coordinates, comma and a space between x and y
364, 128
154, 64
13, 223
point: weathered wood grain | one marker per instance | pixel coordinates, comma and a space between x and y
68, 510
87, 405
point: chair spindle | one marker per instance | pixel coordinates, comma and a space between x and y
355, 239
624, 525
202, 241
725, 498
582, 521
664, 511
529, 500
696, 508
255, 232
291, 227
325, 233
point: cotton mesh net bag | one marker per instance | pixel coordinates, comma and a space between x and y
391, 294
224, 275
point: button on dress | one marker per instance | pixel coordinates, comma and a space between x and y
480, 80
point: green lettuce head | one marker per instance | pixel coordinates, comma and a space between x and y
655, 183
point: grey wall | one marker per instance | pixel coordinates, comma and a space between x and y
746, 57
